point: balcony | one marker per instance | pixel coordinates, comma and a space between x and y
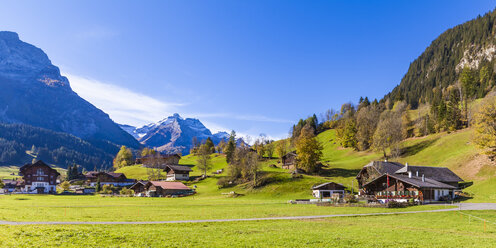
397, 194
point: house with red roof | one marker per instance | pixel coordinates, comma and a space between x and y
162, 189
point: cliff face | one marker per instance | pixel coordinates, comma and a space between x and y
33, 92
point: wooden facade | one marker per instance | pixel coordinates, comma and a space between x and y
164, 188
403, 188
177, 172
110, 178
39, 178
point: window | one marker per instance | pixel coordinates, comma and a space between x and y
39, 172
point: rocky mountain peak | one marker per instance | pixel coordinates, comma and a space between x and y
27, 63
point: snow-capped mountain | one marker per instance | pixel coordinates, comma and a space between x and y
33, 92
174, 134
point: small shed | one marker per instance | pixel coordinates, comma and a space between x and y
327, 190
289, 161
139, 187
163, 188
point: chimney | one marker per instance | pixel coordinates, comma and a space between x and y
423, 178
409, 174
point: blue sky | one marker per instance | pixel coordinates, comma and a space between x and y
252, 66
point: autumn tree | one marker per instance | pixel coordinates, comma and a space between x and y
269, 148
367, 119
348, 134
204, 158
65, 185
308, 150
281, 148
147, 152
123, 158
388, 133
244, 166
485, 127
221, 146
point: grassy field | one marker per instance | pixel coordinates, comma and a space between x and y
448, 229
6, 172
97, 208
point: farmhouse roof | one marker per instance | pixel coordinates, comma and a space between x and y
383, 167
178, 168
441, 174
169, 185
289, 154
37, 163
415, 181
325, 184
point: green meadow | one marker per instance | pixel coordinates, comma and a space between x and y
447, 229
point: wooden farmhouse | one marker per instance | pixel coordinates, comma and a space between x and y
289, 161
39, 178
162, 188
159, 160
328, 190
421, 183
376, 169
108, 178
177, 172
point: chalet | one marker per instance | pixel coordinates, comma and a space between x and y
394, 181
177, 172
139, 187
164, 188
159, 160
401, 188
376, 169
327, 190
289, 161
39, 178
109, 178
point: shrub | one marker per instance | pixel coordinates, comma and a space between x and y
395, 204
107, 189
126, 191
224, 182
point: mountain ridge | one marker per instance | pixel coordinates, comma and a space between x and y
173, 134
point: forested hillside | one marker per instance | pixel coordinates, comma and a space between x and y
20, 143
471, 47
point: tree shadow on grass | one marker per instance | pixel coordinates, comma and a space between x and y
414, 149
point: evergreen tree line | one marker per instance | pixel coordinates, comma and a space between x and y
438, 67
52, 147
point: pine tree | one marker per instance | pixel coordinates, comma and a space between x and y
210, 145
98, 187
231, 147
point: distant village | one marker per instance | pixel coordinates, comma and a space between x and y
379, 182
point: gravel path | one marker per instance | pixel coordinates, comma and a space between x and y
463, 206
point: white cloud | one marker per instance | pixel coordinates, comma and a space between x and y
257, 118
123, 105
128, 107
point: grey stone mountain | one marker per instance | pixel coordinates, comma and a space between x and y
174, 134
33, 92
